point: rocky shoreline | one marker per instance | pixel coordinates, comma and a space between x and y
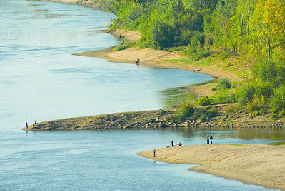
157, 119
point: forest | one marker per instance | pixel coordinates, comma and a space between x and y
252, 30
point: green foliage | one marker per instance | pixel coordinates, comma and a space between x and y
223, 84
203, 118
278, 143
245, 94
252, 29
185, 110
231, 109
278, 99
124, 45
204, 101
225, 97
281, 113
225, 55
265, 71
212, 112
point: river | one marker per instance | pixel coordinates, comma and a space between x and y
40, 80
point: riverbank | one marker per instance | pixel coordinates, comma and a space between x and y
164, 59
251, 164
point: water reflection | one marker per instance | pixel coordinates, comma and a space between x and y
244, 134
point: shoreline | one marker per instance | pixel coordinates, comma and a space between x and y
251, 164
219, 157
156, 59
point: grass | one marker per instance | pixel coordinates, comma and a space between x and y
237, 144
175, 96
278, 143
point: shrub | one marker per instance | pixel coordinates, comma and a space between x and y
281, 113
261, 111
254, 113
224, 97
203, 118
265, 71
225, 55
264, 89
278, 99
245, 94
204, 101
213, 112
185, 110
223, 84
199, 55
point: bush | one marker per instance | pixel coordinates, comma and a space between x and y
254, 113
225, 97
204, 101
223, 84
203, 118
225, 55
278, 99
185, 110
213, 112
265, 71
245, 94
200, 55
281, 113
264, 89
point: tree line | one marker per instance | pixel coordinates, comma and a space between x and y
251, 28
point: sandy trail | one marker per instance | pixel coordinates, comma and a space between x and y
253, 164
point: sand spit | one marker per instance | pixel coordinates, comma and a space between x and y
252, 164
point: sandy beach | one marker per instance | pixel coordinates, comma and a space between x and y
251, 164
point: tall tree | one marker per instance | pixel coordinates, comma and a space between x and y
268, 26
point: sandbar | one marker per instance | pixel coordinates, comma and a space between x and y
249, 163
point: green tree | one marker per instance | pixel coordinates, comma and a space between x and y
268, 26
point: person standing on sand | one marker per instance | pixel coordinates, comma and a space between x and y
207, 137
137, 62
154, 153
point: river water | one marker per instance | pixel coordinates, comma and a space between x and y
40, 80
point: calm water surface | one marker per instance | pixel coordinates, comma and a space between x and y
40, 80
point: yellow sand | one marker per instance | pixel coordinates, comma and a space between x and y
253, 164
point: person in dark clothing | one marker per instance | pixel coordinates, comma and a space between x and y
172, 143
137, 62
154, 153
211, 138
207, 137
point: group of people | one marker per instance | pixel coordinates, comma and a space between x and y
179, 144
208, 140
172, 144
